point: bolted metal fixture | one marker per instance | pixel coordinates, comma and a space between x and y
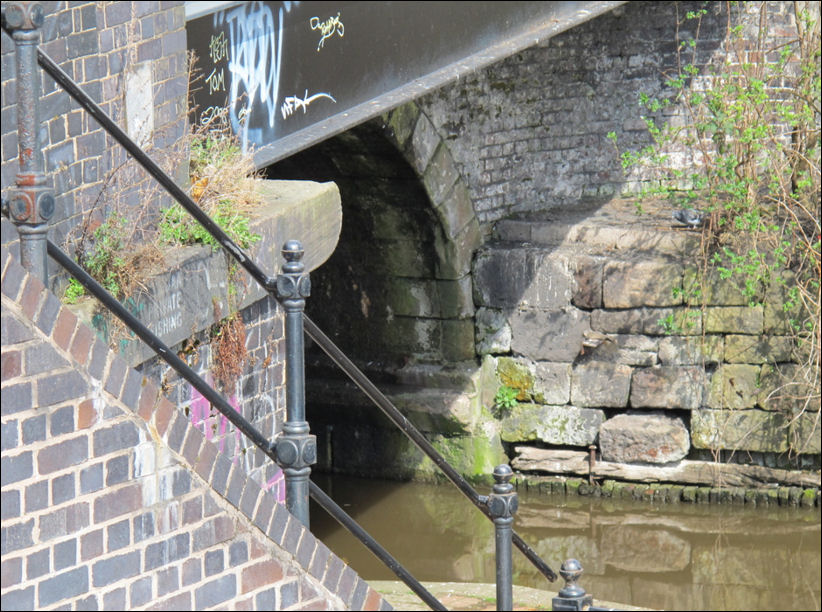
31, 201
571, 596
502, 505
295, 448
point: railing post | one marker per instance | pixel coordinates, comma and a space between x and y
296, 450
572, 596
31, 201
503, 504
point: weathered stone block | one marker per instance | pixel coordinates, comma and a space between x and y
758, 349
805, 433
777, 320
552, 383
493, 333
458, 339
455, 297
666, 321
440, 176
438, 411
668, 387
618, 321
643, 438
712, 289
566, 425
454, 256
783, 387
456, 209
412, 297
517, 374
511, 278
734, 320
734, 386
401, 122
587, 292
751, 430
641, 283
649, 321
404, 258
601, 384
423, 143
548, 335
691, 350
636, 349
419, 336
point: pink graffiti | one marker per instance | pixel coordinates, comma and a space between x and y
277, 485
201, 413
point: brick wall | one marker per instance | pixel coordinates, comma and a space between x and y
112, 500
258, 393
99, 45
529, 133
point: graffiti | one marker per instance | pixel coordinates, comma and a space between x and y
255, 58
215, 81
295, 103
200, 413
215, 115
172, 316
277, 485
327, 28
218, 48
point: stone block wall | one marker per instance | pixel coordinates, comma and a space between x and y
112, 500
130, 57
604, 349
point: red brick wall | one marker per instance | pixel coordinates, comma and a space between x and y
112, 500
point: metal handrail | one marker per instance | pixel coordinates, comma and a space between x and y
269, 284
240, 422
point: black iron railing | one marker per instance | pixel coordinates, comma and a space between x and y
274, 285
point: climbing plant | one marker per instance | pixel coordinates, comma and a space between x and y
748, 126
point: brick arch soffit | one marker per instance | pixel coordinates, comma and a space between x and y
410, 130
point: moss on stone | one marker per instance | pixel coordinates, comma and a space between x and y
572, 486
515, 374
808, 498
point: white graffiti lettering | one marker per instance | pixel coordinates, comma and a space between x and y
213, 114
256, 44
216, 81
218, 47
295, 103
327, 28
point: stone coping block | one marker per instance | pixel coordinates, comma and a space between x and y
192, 289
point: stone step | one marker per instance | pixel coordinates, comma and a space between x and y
613, 228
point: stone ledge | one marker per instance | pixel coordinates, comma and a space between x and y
685, 472
191, 291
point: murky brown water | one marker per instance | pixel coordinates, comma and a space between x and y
672, 557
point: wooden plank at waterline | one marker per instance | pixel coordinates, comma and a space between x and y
707, 473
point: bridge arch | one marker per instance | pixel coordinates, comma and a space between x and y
397, 292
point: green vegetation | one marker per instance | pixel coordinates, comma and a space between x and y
505, 398
745, 149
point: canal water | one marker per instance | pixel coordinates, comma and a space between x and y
669, 557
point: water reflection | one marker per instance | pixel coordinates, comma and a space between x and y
673, 557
